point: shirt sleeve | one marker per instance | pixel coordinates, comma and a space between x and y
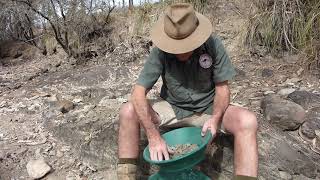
152, 69
223, 69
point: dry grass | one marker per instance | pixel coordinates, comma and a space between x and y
145, 15
287, 25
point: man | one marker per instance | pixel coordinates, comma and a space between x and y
195, 70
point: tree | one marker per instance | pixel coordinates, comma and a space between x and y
73, 22
130, 4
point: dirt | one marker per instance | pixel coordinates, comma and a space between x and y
182, 149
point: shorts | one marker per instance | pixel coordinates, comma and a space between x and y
168, 118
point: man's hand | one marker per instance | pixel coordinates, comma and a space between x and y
157, 146
158, 149
212, 125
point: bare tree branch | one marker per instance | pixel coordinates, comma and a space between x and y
54, 27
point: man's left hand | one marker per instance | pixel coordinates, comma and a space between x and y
212, 125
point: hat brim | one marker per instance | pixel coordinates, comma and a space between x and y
179, 46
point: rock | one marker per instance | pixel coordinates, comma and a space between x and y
296, 162
285, 175
282, 113
53, 98
100, 149
286, 91
59, 154
38, 168
299, 72
65, 105
305, 99
292, 81
77, 100
266, 72
312, 123
65, 148
300, 177
2, 155
316, 142
240, 74
4, 104
268, 92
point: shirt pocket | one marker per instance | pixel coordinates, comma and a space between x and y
176, 89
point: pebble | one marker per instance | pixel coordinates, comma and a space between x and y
59, 154
268, 92
267, 73
77, 100
37, 168
65, 148
65, 105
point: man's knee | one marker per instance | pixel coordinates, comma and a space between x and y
247, 121
127, 113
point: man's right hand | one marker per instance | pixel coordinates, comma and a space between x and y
158, 149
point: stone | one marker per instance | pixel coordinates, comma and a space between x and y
240, 74
286, 91
65, 105
38, 168
2, 155
306, 99
300, 177
284, 114
65, 148
292, 81
294, 162
101, 151
52, 98
77, 100
266, 72
268, 92
59, 154
300, 71
316, 142
285, 175
312, 123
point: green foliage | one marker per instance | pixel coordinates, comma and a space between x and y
290, 25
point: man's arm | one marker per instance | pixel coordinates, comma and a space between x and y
221, 103
157, 146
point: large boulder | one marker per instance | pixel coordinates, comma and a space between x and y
284, 114
305, 99
312, 123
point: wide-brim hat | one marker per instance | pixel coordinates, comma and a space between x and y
181, 29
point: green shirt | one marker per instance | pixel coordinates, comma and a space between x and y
188, 86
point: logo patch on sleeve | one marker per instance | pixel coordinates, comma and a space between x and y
205, 61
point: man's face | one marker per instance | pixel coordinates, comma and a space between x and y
184, 56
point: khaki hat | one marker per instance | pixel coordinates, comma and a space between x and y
181, 29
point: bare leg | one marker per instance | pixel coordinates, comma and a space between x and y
129, 132
243, 125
